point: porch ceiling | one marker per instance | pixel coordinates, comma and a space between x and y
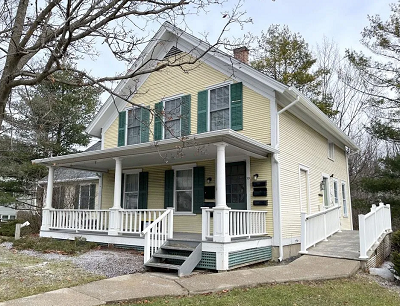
194, 148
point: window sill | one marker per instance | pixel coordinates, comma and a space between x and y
184, 214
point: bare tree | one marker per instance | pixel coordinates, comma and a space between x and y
37, 37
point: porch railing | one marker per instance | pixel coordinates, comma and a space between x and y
157, 233
372, 226
242, 223
77, 219
136, 220
319, 226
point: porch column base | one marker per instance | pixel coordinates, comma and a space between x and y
114, 222
221, 224
46, 222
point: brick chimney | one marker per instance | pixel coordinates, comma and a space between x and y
241, 54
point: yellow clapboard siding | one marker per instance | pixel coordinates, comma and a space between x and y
299, 144
173, 81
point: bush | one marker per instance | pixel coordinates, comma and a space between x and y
48, 245
35, 220
396, 241
8, 228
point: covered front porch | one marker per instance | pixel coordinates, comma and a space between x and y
222, 231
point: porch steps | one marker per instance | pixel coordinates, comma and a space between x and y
178, 255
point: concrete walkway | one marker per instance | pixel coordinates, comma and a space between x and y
141, 286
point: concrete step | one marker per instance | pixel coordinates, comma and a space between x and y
162, 265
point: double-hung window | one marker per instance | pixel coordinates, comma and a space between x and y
131, 194
184, 190
344, 199
133, 126
172, 118
219, 108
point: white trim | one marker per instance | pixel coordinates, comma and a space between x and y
184, 166
308, 203
331, 156
324, 175
335, 180
248, 186
91, 178
344, 197
131, 171
223, 84
100, 195
102, 139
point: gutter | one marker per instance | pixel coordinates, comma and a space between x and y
276, 161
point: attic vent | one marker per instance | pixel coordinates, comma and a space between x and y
173, 51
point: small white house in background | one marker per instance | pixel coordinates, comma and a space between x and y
7, 214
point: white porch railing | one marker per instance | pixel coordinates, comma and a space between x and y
77, 219
242, 223
372, 226
319, 226
136, 220
157, 233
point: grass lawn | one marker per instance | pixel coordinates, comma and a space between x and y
22, 275
356, 291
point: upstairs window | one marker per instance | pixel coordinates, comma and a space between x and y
331, 150
219, 108
172, 121
133, 127
172, 118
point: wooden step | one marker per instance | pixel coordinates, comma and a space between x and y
177, 248
162, 265
170, 256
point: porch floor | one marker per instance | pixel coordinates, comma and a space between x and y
345, 244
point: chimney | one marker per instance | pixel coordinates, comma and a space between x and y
241, 54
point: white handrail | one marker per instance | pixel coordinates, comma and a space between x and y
135, 220
372, 226
157, 233
319, 226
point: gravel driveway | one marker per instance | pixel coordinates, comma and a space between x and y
106, 262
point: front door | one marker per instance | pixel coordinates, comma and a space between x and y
236, 185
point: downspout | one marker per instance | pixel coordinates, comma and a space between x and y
276, 161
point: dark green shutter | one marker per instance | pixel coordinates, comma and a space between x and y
144, 124
202, 111
143, 189
121, 128
76, 197
237, 106
198, 189
92, 196
169, 189
185, 116
158, 121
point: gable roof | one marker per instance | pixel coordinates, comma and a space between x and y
170, 39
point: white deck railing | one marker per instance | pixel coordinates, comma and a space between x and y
242, 223
157, 233
78, 219
372, 226
136, 220
319, 226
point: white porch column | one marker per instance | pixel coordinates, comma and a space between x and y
114, 226
221, 211
49, 199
